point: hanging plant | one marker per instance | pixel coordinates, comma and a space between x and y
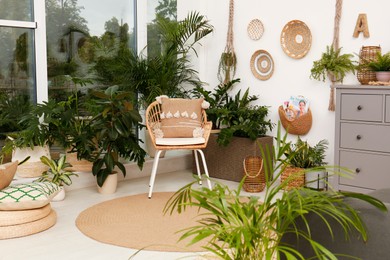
228, 60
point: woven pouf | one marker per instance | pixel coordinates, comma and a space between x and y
19, 223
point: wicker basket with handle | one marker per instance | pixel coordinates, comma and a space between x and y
254, 174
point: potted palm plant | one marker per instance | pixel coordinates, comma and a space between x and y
334, 66
238, 227
114, 137
58, 173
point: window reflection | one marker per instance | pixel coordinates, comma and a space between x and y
20, 10
79, 33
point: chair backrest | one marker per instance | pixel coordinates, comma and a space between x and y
153, 117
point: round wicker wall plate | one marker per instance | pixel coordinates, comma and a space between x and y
262, 64
255, 29
296, 39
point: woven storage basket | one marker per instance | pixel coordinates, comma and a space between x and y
367, 54
254, 174
298, 126
298, 179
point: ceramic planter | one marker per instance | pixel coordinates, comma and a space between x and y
33, 167
109, 186
383, 76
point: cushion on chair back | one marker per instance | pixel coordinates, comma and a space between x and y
180, 117
7, 173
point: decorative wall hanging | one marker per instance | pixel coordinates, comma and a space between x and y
262, 64
228, 60
296, 39
255, 29
361, 26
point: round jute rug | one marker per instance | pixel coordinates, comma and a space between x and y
139, 223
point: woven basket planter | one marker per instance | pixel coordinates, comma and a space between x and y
254, 174
296, 175
367, 54
226, 162
297, 126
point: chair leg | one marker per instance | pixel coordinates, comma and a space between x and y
206, 171
197, 166
154, 172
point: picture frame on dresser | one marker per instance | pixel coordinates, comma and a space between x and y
362, 137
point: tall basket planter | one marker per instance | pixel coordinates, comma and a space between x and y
226, 162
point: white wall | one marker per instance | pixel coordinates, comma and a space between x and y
291, 76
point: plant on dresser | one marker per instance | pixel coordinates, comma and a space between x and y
362, 139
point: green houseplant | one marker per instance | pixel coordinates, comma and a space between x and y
58, 173
332, 65
234, 115
309, 159
381, 66
238, 227
113, 126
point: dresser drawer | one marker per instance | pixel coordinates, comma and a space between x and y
372, 170
365, 137
387, 111
362, 107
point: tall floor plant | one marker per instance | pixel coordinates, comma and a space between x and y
238, 227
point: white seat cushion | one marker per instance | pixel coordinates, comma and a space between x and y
180, 141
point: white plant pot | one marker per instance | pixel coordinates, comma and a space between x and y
60, 195
315, 180
109, 186
33, 167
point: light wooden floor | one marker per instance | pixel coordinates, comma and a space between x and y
65, 241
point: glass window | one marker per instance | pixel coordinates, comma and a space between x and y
158, 9
79, 32
20, 10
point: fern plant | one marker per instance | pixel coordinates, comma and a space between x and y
333, 64
382, 62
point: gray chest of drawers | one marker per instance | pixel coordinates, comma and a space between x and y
362, 138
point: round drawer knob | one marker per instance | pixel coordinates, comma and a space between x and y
359, 107
357, 170
358, 137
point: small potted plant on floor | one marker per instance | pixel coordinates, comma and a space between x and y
113, 125
58, 173
305, 165
334, 66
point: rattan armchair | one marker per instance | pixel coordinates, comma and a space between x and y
152, 117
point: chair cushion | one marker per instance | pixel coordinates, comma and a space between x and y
180, 117
180, 141
7, 173
28, 195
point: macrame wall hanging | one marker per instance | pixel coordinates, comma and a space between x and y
336, 35
228, 61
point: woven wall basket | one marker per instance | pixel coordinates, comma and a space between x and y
296, 39
296, 175
262, 65
255, 29
298, 126
254, 174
